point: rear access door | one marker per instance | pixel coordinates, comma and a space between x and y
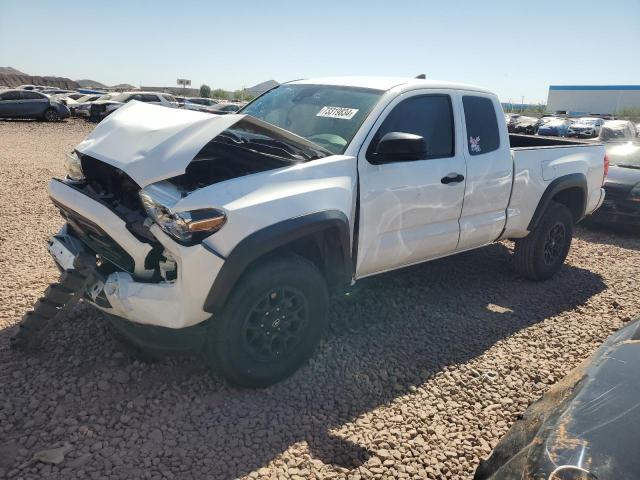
489, 170
409, 210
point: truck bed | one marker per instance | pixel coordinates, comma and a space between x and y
531, 141
537, 161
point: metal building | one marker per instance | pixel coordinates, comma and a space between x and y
605, 99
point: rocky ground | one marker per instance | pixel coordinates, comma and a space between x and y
450, 353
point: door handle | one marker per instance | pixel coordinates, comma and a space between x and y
452, 178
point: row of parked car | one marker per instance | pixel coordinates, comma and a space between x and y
603, 129
51, 104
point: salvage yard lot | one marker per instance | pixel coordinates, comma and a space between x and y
447, 355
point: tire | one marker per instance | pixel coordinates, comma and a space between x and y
540, 255
50, 115
246, 349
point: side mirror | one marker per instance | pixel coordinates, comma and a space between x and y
401, 147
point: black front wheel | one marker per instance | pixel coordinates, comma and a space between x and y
271, 324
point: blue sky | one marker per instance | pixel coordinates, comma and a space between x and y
512, 47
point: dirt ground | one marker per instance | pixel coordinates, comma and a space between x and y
449, 353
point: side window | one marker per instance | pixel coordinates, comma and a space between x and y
150, 98
27, 95
429, 116
10, 96
482, 126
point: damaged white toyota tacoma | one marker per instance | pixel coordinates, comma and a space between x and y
226, 235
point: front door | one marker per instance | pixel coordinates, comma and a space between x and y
11, 105
410, 210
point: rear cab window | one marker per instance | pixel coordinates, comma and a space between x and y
483, 135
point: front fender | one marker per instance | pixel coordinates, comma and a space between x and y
271, 238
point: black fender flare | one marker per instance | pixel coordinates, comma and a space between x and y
270, 238
559, 184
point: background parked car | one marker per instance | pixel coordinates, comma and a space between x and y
31, 104
65, 97
586, 127
84, 109
511, 119
556, 127
622, 201
224, 108
74, 104
55, 91
617, 130
199, 104
103, 107
525, 125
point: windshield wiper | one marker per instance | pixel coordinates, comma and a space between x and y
626, 165
287, 147
233, 137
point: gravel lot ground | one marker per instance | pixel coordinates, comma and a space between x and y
452, 352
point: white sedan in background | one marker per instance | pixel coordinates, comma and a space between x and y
585, 127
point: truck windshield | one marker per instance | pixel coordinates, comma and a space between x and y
326, 115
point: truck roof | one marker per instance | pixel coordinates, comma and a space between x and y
387, 83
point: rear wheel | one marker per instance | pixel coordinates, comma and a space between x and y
540, 255
50, 115
272, 323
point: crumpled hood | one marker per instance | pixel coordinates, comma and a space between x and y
151, 143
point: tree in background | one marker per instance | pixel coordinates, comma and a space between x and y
221, 94
205, 91
629, 113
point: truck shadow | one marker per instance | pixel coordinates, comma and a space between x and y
415, 322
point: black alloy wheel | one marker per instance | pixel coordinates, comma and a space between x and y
554, 244
275, 324
272, 322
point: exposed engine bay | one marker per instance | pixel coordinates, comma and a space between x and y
248, 146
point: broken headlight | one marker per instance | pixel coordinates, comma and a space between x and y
185, 227
74, 167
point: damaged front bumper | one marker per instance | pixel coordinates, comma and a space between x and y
128, 285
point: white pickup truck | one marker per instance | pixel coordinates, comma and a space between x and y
226, 234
